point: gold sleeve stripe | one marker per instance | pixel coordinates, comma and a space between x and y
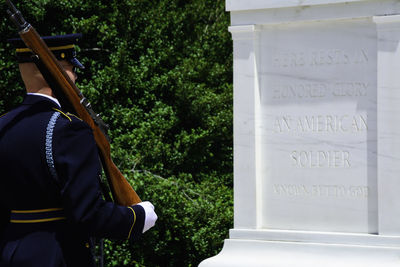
134, 221
3, 114
35, 211
63, 114
22, 50
38, 220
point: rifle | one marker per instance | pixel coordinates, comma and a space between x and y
122, 192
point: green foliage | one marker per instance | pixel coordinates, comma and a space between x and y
160, 73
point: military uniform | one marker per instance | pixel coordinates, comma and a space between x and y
49, 184
50, 198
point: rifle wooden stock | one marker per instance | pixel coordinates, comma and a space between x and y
121, 190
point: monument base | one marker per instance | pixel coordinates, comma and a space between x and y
295, 249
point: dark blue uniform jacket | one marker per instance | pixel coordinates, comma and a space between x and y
50, 197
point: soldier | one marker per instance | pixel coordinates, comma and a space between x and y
49, 186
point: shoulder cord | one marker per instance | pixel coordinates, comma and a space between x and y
49, 145
53, 172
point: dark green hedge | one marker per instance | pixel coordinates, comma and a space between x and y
160, 73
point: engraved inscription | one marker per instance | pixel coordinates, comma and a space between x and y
322, 57
314, 120
321, 123
320, 159
319, 90
334, 191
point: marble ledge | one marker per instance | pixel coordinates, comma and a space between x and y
315, 237
235, 5
261, 12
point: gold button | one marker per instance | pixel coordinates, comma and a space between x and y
87, 245
62, 55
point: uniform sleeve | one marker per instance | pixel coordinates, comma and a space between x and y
78, 168
4, 218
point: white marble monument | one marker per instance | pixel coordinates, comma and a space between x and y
316, 134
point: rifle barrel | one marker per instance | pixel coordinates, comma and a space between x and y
16, 17
122, 191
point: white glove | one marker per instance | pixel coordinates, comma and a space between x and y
150, 216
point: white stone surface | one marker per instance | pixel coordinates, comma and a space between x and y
388, 78
348, 10
240, 5
317, 126
315, 237
316, 134
244, 128
255, 253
